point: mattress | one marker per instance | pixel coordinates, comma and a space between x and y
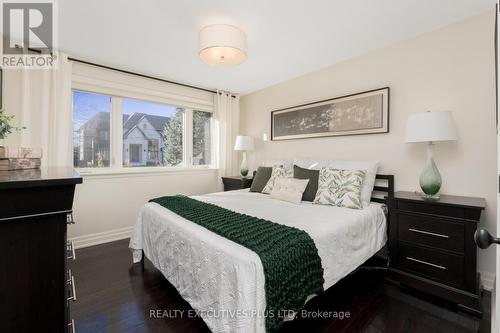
224, 281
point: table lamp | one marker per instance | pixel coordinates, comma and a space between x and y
244, 143
430, 127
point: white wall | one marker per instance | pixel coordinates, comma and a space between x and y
448, 69
106, 207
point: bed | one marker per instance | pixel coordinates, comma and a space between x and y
224, 281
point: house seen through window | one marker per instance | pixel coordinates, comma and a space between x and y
152, 134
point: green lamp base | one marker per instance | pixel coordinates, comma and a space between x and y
244, 166
430, 179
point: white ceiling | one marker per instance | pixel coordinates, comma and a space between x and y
285, 38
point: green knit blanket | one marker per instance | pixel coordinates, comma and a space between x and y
292, 266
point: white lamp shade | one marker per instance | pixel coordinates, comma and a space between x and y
243, 143
222, 44
430, 127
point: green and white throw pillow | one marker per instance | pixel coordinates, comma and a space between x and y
340, 188
278, 172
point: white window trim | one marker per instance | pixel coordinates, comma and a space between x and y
129, 91
116, 136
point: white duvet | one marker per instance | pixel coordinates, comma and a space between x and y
224, 281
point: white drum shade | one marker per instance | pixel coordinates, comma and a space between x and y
243, 143
430, 127
222, 44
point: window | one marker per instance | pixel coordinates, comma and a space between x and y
202, 138
154, 150
118, 132
91, 127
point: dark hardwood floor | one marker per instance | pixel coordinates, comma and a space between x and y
116, 296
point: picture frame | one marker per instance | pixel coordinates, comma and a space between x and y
365, 112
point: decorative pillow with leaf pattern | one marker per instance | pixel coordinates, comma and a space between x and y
340, 188
278, 172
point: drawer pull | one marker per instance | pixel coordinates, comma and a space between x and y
70, 219
426, 263
71, 282
70, 247
428, 233
72, 325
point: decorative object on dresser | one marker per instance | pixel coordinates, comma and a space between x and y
361, 113
18, 158
236, 183
36, 287
430, 127
244, 144
432, 249
7, 164
20, 152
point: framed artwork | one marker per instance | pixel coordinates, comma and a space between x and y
362, 113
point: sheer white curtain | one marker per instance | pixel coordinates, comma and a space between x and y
41, 101
227, 114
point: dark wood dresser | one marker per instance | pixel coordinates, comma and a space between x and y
35, 286
432, 249
236, 183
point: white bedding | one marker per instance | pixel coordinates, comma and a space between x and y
224, 280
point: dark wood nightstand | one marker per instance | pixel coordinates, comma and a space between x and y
236, 183
432, 249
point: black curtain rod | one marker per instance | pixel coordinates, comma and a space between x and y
138, 74
132, 73
143, 75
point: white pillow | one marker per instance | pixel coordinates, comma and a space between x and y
311, 164
340, 188
289, 189
370, 168
277, 172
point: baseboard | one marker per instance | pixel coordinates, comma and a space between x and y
488, 280
101, 237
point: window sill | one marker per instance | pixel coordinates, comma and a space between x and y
142, 171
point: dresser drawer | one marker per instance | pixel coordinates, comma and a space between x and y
435, 265
22, 202
432, 231
422, 207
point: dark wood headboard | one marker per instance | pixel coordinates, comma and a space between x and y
383, 190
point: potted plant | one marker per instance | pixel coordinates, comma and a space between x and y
6, 127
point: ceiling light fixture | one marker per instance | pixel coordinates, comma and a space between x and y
222, 44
